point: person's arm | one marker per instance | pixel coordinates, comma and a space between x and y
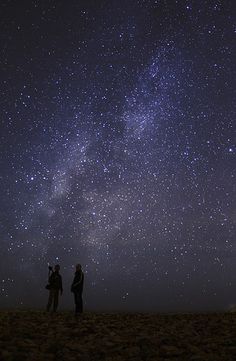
50, 278
77, 281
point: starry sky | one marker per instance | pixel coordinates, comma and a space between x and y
118, 152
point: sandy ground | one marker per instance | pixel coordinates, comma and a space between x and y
36, 336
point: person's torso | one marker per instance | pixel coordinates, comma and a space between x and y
79, 280
55, 280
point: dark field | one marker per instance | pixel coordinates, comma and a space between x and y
35, 335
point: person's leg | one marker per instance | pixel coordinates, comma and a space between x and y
55, 301
50, 299
76, 302
80, 303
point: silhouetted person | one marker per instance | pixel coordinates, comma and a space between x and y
55, 285
77, 289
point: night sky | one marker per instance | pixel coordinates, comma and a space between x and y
118, 152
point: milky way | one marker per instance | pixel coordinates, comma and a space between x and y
118, 152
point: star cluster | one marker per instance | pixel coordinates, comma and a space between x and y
118, 152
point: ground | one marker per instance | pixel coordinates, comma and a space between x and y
38, 336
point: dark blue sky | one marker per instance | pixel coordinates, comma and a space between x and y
118, 152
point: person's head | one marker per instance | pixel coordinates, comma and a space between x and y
78, 267
57, 268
